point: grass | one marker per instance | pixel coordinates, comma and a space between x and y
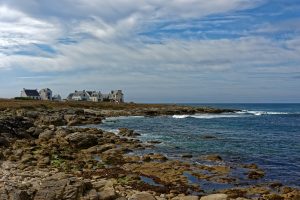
34, 104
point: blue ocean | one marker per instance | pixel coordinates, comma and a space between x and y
265, 134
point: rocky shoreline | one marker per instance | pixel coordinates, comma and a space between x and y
45, 155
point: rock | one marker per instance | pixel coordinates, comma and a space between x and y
208, 137
51, 119
92, 195
43, 162
127, 132
81, 140
272, 197
71, 119
187, 156
235, 193
275, 185
2, 157
188, 198
213, 157
52, 127
27, 158
37, 132
292, 194
60, 187
21, 195
15, 127
142, 196
214, 197
107, 194
31, 114
250, 166
121, 198
154, 142
31, 130
256, 174
4, 142
61, 132
154, 157
46, 135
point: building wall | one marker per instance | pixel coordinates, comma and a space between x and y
46, 94
23, 94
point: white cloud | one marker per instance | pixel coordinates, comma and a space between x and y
172, 56
17, 29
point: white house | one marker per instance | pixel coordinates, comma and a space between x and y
46, 94
116, 96
80, 96
30, 93
113, 96
96, 96
56, 97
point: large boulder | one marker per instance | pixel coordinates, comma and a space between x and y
215, 197
82, 140
46, 135
50, 119
125, 132
15, 127
4, 142
142, 196
60, 187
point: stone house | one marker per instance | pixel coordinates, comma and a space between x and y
116, 96
80, 96
46, 94
96, 97
113, 96
30, 93
56, 97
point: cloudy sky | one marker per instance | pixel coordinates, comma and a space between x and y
155, 50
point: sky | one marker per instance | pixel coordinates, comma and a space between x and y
168, 51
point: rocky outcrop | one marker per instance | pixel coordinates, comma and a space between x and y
215, 197
82, 140
40, 160
125, 132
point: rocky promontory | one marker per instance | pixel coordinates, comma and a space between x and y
45, 154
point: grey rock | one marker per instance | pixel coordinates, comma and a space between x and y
82, 140
142, 196
107, 194
46, 135
215, 197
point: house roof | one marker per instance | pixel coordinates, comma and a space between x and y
90, 92
31, 93
70, 95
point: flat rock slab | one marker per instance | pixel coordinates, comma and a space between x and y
215, 197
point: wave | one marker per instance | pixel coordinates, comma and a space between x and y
243, 113
258, 113
206, 116
115, 131
114, 119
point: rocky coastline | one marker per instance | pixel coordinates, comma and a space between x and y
45, 154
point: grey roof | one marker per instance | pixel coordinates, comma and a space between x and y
90, 92
78, 93
31, 93
70, 95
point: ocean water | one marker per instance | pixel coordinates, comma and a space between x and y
265, 134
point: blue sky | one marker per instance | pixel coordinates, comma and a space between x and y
156, 51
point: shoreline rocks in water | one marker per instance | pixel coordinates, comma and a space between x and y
43, 156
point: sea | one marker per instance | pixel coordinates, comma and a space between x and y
265, 134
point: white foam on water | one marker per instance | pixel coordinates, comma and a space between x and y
258, 113
180, 116
206, 116
242, 113
115, 131
114, 119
